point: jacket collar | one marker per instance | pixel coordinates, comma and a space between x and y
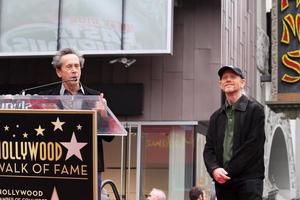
240, 105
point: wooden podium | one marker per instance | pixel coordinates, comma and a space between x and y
48, 151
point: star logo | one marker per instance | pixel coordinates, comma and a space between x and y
74, 147
57, 124
39, 131
54, 194
6, 128
25, 135
79, 127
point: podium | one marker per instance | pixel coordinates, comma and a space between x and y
48, 145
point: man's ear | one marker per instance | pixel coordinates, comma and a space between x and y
243, 83
220, 85
58, 72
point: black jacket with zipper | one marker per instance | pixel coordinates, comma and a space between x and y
248, 141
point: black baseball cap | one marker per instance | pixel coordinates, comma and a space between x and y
235, 69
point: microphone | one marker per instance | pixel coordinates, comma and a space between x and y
45, 85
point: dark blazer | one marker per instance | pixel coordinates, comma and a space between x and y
248, 143
87, 91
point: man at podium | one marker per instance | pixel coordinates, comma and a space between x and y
68, 64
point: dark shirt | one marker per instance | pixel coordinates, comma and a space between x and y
228, 139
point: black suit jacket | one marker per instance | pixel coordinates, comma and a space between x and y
87, 91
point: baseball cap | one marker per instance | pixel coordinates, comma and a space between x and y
235, 69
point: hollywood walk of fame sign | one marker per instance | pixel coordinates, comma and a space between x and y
48, 154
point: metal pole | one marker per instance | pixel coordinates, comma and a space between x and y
59, 24
122, 24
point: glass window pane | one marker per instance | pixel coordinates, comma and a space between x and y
91, 25
29, 26
167, 160
146, 24
121, 167
203, 179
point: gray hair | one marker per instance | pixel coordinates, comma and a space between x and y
159, 193
56, 60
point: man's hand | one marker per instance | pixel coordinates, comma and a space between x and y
220, 175
100, 105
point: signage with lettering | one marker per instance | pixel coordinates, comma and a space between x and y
94, 27
48, 154
288, 46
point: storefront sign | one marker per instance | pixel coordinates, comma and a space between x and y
288, 49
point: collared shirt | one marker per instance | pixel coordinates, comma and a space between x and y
229, 132
74, 104
63, 90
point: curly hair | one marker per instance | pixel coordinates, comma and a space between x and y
56, 60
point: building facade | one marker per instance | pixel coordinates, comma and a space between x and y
282, 151
166, 135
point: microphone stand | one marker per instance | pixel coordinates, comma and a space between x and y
45, 85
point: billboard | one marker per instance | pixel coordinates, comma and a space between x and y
41, 27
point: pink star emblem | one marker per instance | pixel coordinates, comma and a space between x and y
74, 147
54, 194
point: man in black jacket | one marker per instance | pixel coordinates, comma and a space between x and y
234, 149
68, 64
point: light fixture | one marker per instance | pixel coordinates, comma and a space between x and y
123, 60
